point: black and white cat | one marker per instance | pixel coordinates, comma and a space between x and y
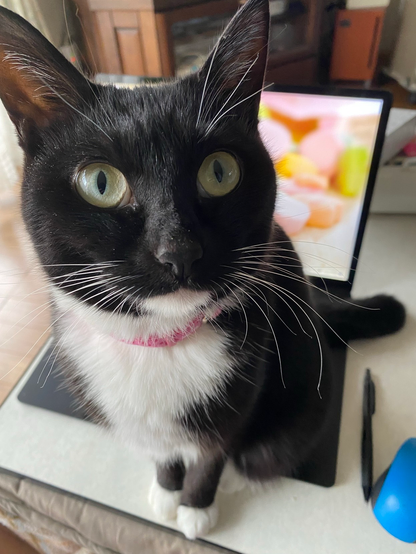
181, 314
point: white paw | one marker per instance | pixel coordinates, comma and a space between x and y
164, 503
196, 522
231, 481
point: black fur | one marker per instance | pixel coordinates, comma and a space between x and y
274, 408
363, 318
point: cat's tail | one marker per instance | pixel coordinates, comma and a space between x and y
363, 318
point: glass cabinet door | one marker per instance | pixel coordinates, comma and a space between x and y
289, 25
193, 40
290, 33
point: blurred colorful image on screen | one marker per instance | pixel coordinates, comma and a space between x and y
322, 148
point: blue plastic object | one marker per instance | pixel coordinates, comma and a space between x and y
395, 507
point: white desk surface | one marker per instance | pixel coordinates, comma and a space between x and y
292, 517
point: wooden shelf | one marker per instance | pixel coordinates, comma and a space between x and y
134, 37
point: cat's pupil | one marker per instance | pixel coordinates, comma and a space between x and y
101, 182
218, 171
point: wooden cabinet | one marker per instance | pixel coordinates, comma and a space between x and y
149, 37
356, 43
135, 36
294, 42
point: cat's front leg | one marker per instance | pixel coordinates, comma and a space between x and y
165, 490
197, 513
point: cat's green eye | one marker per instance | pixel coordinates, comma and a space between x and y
102, 185
218, 175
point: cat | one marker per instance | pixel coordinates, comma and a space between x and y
181, 314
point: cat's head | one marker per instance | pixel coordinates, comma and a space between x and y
130, 194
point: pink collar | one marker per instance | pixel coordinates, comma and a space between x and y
174, 337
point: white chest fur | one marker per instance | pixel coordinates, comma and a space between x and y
144, 391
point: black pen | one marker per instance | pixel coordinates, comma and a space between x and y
369, 407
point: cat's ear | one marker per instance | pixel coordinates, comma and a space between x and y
237, 64
37, 83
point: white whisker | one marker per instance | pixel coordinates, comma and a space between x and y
273, 333
215, 122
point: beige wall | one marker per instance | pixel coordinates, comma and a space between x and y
391, 26
360, 4
403, 64
53, 15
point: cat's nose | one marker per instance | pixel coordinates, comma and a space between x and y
179, 257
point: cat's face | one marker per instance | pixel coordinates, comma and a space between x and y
161, 185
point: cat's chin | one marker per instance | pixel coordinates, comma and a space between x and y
180, 302
160, 315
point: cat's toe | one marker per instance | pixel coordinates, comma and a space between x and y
231, 481
164, 503
196, 522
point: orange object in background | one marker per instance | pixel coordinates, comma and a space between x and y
356, 43
325, 210
298, 127
292, 163
309, 180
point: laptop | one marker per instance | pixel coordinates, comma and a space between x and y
326, 145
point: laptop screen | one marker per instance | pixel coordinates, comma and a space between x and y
323, 149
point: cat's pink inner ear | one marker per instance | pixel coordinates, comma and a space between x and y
21, 92
37, 83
